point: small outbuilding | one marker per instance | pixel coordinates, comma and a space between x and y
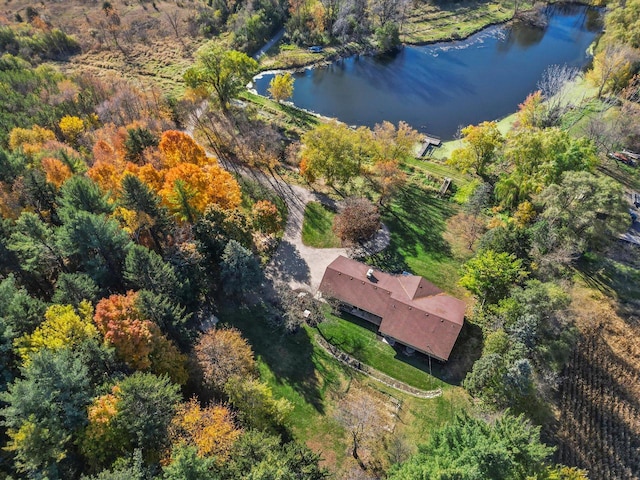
406, 308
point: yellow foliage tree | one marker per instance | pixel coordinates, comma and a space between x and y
178, 147
481, 143
100, 431
71, 128
63, 327
281, 87
211, 429
612, 68
525, 214
133, 222
30, 140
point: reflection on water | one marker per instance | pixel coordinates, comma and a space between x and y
437, 88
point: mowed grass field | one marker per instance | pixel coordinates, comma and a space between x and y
416, 218
317, 227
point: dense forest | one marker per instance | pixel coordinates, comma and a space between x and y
148, 330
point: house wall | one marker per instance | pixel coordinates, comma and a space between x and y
363, 314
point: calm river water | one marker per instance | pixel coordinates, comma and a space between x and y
438, 88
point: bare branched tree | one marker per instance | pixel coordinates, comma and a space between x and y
174, 20
605, 131
552, 85
358, 413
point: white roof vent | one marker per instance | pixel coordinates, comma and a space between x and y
370, 273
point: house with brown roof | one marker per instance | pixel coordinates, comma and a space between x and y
406, 308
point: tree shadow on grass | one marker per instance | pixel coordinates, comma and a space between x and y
417, 219
298, 116
289, 356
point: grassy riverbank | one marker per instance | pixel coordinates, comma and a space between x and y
580, 93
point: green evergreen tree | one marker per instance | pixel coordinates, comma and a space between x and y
146, 405
33, 242
187, 465
44, 413
145, 269
97, 244
240, 271
137, 140
21, 312
136, 195
170, 316
472, 449
81, 194
73, 288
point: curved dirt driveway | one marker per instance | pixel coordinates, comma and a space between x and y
293, 263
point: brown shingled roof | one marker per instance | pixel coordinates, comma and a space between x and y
414, 312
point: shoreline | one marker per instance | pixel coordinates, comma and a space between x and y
345, 52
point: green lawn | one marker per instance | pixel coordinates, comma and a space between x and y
434, 21
437, 170
417, 220
316, 227
298, 369
358, 338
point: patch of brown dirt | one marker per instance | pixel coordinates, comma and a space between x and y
599, 411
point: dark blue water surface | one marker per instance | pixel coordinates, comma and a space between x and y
438, 88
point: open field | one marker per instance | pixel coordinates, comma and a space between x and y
149, 43
599, 412
432, 22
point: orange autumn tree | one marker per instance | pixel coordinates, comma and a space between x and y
138, 341
178, 147
211, 429
55, 170
188, 189
109, 158
106, 175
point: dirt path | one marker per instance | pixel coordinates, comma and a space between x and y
295, 263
